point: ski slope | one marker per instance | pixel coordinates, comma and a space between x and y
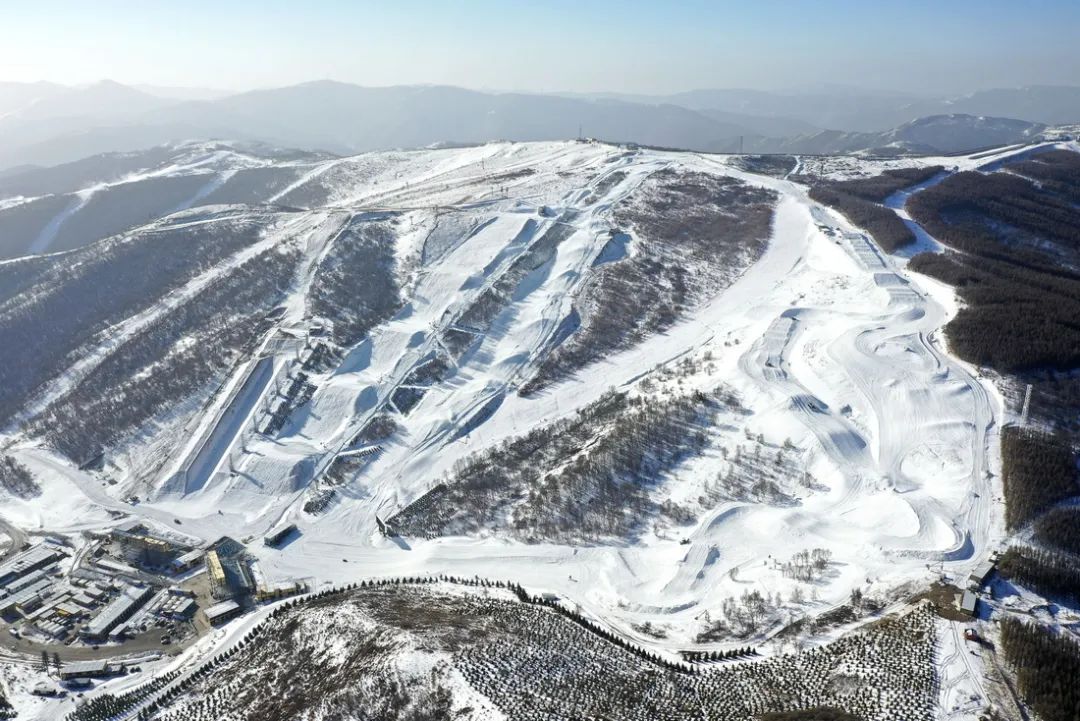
831, 345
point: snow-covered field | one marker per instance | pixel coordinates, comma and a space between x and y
831, 345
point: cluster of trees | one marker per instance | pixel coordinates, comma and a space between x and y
821, 713
63, 302
807, 564
21, 276
1060, 528
756, 473
1048, 572
187, 349
109, 706
1038, 469
1057, 171
1047, 664
299, 392
860, 201
1017, 269
532, 670
378, 428
532, 658
885, 226
355, 287
319, 499
694, 233
16, 479
405, 398
608, 457
998, 214
778, 166
714, 656
1015, 317
746, 615
1054, 399
877, 188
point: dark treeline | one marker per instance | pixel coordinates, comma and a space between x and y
885, 226
18, 276
75, 296
1054, 399
1047, 666
997, 214
877, 188
1060, 529
608, 458
860, 202
810, 714
354, 286
1049, 573
1016, 272
1015, 318
1058, 171
693, 234
152, 370
1038, 469
17, 479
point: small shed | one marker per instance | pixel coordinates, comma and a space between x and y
981, 574
279, 536
968, 603
187, 561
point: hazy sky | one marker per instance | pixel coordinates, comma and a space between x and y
576, 45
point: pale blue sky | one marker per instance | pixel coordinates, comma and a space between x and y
580, 45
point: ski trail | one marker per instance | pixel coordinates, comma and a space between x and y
216, 181
48, 234
117, 335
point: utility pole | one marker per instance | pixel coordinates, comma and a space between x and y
740, 145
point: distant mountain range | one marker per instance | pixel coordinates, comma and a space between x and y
930, 135
47, 124
867, 111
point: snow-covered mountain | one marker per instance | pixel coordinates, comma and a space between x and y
42, 124
616, 398
929, 135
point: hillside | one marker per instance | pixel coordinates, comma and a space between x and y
654, 385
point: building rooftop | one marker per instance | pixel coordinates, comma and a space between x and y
222, 609
115, 612
188, 558
107, 564
29, 559
78, 667
213, 565
29, 592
